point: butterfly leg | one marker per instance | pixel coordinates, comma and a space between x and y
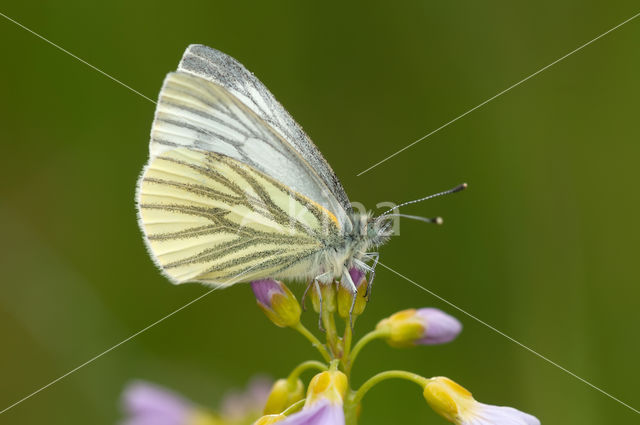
354, 294
306, 291
374, 256
316, 286
304, 295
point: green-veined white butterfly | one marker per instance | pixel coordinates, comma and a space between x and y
234, 189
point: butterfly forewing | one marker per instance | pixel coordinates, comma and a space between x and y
211, 218
197, 113
234, 189
215, 66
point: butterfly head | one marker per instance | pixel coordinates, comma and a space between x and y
369, 231
380, 229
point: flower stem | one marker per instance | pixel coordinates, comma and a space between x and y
347, 338
374, 334
333, 366
329, 323
356, 398
314, 341
310, 364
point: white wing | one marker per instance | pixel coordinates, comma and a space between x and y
196, 113
212, 219
227, 72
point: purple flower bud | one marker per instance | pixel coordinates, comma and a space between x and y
426, 326
277, 302
357, 276
439, 326
264, 289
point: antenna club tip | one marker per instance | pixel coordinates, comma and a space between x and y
438, 221
460, 187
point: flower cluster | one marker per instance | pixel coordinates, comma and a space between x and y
329, 398
149, 404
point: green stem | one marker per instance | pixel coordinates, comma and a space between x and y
298, 405
329, 323
350, 414
310, 364
374, 334
354, 398
314, 341
376, 379
347, 340
333, 366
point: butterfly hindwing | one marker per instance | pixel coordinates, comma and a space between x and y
211, 218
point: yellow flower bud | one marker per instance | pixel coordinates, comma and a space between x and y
331, 385
277, 302
328, 292
447, 398
457, 405
269, 419
283, 394
402, 329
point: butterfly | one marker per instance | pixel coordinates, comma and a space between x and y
235, 191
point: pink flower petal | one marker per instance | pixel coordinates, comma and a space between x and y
486, 414
321, 413
147, 404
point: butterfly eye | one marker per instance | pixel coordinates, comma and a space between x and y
380, 228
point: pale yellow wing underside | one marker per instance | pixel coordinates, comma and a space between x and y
213, 219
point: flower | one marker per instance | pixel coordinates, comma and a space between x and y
345, 296
246, 405
457, 405
323, 406
283, 394
426, 326
330, 385
147, 404
277, 302
321, 413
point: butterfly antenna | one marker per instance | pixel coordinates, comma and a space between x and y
436, 220
458, 188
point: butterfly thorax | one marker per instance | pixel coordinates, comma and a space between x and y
350, 248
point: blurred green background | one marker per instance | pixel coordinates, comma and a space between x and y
543, 245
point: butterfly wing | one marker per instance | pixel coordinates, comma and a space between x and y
197, 113
210, 218
215, 66
234, 189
